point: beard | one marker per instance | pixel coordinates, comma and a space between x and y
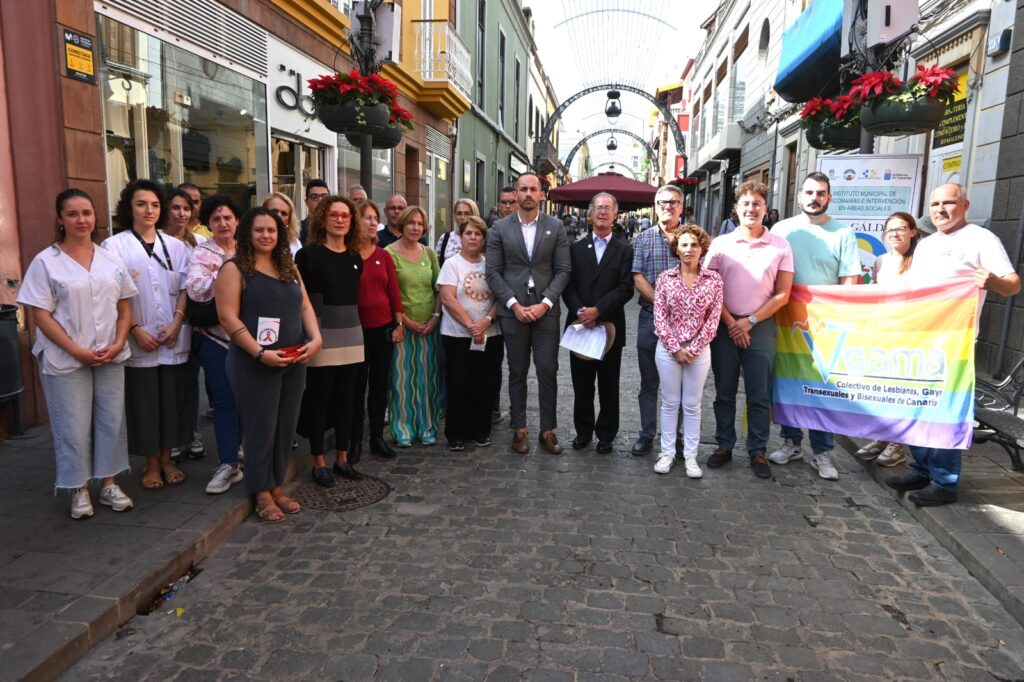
822, 208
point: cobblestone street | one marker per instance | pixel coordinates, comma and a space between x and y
486, 565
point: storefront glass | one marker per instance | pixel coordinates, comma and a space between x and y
348, 170
173, 116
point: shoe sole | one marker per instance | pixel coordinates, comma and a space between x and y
83, 516
699, 474
888, 463
235, 478
792, 458
114, 507
821, 475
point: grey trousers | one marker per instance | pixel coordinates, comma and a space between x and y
541, 338
268, 400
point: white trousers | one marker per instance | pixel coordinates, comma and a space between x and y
681, 385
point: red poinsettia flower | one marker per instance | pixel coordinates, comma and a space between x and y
843, 108
814, 108
875, 85
937, 82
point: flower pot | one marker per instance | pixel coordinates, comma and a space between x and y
352, 117
825, 136
892, 117
389, 138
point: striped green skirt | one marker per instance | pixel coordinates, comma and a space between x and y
415, 400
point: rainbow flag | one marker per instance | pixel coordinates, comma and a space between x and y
892, 363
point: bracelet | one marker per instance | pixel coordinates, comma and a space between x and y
237, 332
178, 312
490, 320
258, 358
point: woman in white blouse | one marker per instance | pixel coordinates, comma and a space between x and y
77, 297
156, 374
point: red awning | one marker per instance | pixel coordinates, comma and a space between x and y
629, 193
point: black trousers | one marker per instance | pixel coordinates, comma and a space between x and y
606, 372
327, 403
374, 373
470, 375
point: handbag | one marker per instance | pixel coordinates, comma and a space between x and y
202, 315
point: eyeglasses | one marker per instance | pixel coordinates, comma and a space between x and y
604, 209
339, 216
394, 208
671, 203
463, 214
508, 202
896, 230
317, 197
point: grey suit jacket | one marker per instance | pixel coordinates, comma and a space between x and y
509, 268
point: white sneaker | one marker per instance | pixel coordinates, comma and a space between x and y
113, 497
893, 454
224, 477
823, 465
692, 469
664, 463
81, 505
787, 453
871, 450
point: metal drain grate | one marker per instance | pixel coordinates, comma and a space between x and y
345, 496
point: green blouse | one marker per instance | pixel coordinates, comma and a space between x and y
417, 282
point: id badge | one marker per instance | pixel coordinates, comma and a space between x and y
267, 330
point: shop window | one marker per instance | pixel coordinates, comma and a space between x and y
348, 170
173, 116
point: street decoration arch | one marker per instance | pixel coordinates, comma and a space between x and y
606, 131
593, 171
546, 158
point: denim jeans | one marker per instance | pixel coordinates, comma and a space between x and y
87, 419
646, 345
941, 465
755, 362
820, 440
212, 357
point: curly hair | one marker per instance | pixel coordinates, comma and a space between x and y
211, 204
699, 233
318, 223
281, 256
362, 207
123, 212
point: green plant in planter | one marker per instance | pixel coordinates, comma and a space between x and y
832, 124
351, 102
891, 107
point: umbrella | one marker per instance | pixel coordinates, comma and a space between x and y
629, 193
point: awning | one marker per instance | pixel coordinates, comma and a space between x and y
809, 65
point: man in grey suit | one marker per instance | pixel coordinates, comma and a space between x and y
527, 269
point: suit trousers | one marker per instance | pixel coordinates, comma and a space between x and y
541, 338
606, 372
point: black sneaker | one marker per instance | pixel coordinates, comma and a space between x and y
456, 446
719, 458
482, 442
759, 465
932, 496
911, 481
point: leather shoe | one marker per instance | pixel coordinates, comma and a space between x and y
345, 470
911, 481
932, 496
549, 440
355, 452
382, 448
641, 446
519, 441
721, 457
322, 477
604, 447
580, 443
759, 465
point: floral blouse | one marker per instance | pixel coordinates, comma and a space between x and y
684, 316
203, 268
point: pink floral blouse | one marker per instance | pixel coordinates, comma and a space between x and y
684, 316
203, 268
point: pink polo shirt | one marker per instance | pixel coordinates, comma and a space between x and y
748, 269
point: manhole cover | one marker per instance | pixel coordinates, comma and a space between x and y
345, 496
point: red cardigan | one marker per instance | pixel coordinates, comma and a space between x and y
379, 297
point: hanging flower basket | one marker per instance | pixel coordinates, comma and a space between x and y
832, 124
826, 136
354, 103
353, 117
894, 117
389, 138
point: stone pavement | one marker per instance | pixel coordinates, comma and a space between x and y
488, 565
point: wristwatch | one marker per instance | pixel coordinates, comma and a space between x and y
752, 319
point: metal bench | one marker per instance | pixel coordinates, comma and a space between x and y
996, 407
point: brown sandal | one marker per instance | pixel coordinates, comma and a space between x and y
269, 512
287, 504
152, 482
172, 474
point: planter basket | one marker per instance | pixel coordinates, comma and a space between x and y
389, 138
345, 117
889, 117
822, 136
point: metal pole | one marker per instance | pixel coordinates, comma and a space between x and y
366, 58
366, 163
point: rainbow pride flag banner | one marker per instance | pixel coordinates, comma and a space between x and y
891, 363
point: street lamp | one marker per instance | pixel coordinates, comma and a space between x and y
612, 108
612, 145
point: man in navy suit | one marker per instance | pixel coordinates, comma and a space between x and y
527, 269
600, 284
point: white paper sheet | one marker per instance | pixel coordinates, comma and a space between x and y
586, 342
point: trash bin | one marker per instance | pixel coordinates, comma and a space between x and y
10, 360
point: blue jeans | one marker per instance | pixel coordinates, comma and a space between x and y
212, 357
650, 381
727, 360
820, 440
940, 465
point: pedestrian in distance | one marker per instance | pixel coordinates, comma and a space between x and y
77, 297
331, 268
527, 269
900, 231
382, 318
415, 403
757, 275
687, 309
508, 201
824, 252
274, 333
221, 213
157, 372
470, 336
600, 285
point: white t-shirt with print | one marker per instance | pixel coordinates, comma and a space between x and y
471, 290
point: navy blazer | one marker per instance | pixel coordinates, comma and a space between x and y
608, 285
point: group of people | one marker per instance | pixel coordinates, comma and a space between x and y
349, 317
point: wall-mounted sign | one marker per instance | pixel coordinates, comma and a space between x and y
951, 129
78, 55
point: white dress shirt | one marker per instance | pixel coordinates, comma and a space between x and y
529, 235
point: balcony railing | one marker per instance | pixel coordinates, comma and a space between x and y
441, 55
